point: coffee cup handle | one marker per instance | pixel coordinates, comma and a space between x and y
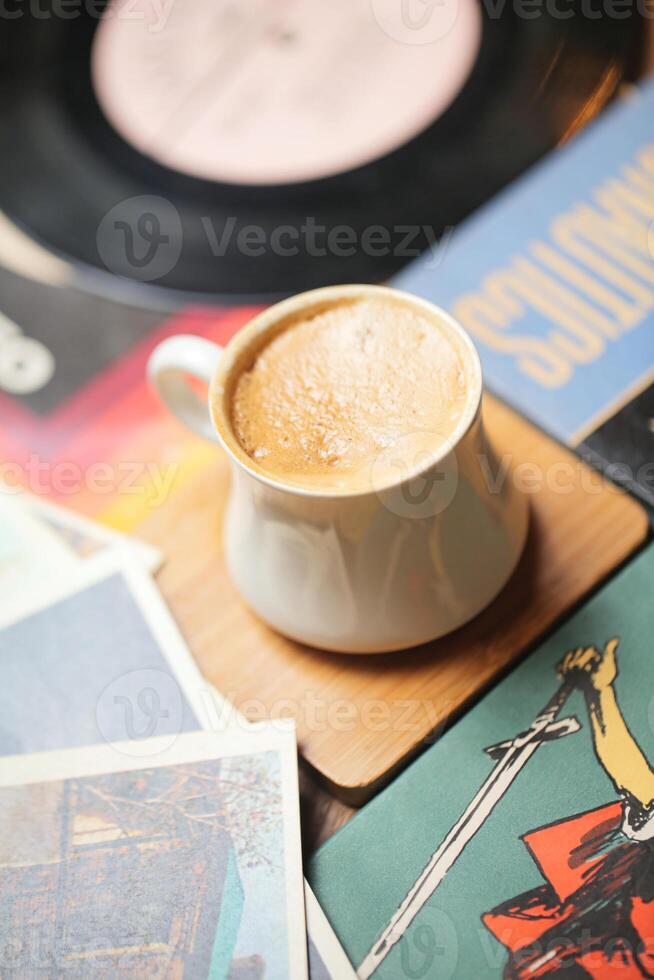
171, 364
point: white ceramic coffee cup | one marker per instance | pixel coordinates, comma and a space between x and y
406, 560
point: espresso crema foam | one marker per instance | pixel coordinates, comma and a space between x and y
338, 397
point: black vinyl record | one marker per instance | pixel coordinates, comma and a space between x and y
74, 184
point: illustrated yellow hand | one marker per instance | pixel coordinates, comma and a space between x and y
589, 665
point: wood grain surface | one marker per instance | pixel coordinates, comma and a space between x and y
361, 717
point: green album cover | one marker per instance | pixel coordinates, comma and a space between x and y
521, 844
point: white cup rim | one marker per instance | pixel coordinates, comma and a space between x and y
253, 334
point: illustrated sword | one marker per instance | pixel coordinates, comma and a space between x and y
511, 756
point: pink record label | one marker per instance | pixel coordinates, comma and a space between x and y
276, 91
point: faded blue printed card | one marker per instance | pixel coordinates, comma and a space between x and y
96, 657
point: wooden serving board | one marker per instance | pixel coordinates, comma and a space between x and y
361, 717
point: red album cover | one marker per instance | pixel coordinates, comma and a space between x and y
79, 421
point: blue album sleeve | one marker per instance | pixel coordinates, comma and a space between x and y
554, 278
